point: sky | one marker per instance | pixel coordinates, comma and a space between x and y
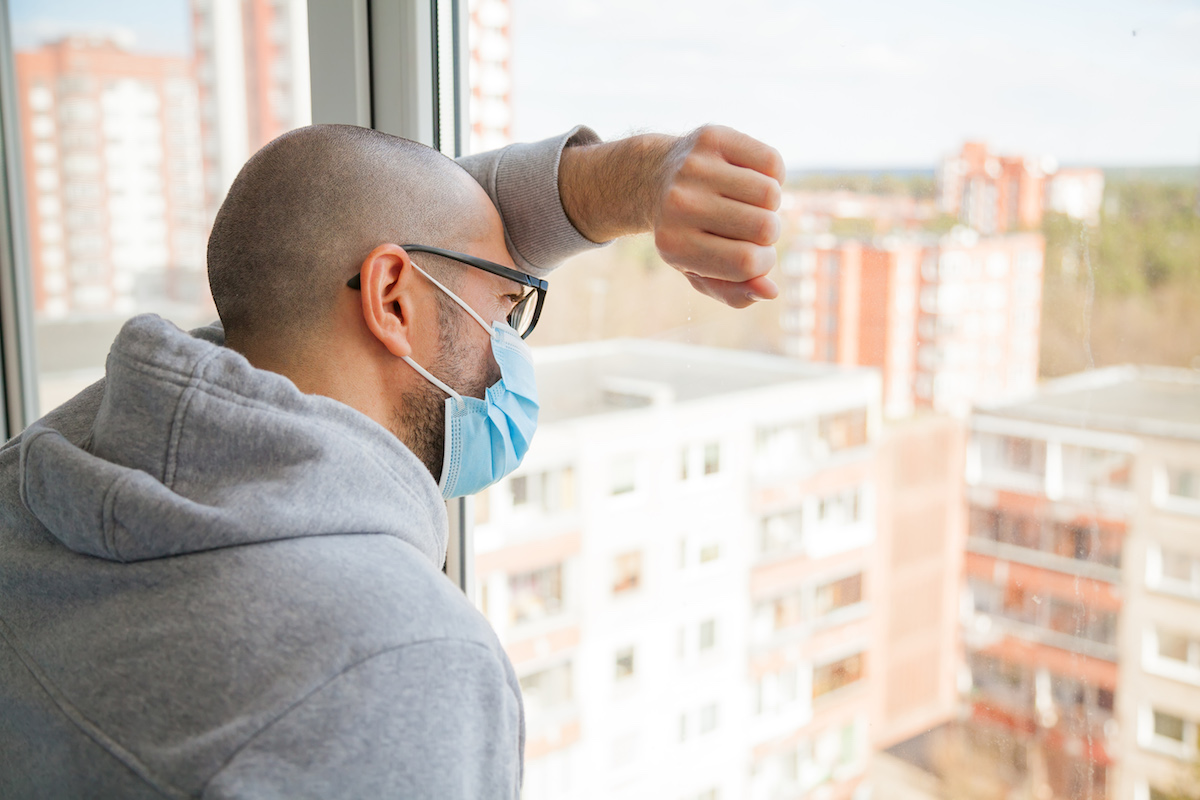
853, 83
840, 83
150, 26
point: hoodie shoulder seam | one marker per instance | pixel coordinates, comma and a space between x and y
346, 670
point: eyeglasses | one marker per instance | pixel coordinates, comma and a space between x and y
524, 315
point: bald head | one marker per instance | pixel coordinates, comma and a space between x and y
307, 208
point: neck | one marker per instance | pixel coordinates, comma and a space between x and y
317, 371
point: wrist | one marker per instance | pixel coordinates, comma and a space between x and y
612, 189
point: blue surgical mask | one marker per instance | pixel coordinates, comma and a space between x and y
487, 439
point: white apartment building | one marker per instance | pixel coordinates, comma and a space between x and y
681, 575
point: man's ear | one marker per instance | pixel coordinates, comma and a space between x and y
388, 301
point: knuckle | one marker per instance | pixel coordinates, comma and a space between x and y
745, 262
772, 196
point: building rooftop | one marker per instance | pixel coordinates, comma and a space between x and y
580, 380
1150, 401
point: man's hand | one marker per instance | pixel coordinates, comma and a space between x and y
709, 197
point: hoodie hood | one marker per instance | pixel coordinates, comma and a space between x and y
193, 449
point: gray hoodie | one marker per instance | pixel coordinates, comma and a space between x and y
212, 585
216, 586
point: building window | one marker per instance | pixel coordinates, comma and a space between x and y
1171, 570
712, 458
1088, 468
839, 594
776, 691
520, 490
710, 552
1012, 456
623, 476
828, 678
627, 572
782, 533
841, 507
708, 635
696, 460
1173, 654
778, 447
623, 664
546, 690
548, 491
1168, 726
1183, 483
787, 610
535, 595
844, 430
708, 718
1177, 647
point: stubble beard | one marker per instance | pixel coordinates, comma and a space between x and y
420, 420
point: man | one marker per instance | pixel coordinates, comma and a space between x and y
221, 564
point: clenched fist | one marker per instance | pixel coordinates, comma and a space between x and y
710, 198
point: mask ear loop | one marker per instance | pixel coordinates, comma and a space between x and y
482, 322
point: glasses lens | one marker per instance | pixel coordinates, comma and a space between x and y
521, 317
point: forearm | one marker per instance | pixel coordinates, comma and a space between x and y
613, 189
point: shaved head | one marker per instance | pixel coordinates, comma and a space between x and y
307, 209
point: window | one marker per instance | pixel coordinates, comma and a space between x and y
535, 595
623, 665
708, 718
1173, 653
130, 163
1024, 455
777, 691
781, 446
998, 251
1171, 570
520, 490
547, 491
844, 430
627, 572
839, 594
1086, 469
841, 507
1183, 483
623, 476
708, 635
829, 677
697, 460
1090, 541
782, 533
1168, 726
547, 690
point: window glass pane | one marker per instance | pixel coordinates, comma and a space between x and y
986, 262
135, 117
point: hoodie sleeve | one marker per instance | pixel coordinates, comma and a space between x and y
522, 180
440, 718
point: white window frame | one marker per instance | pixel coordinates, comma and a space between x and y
399, 66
